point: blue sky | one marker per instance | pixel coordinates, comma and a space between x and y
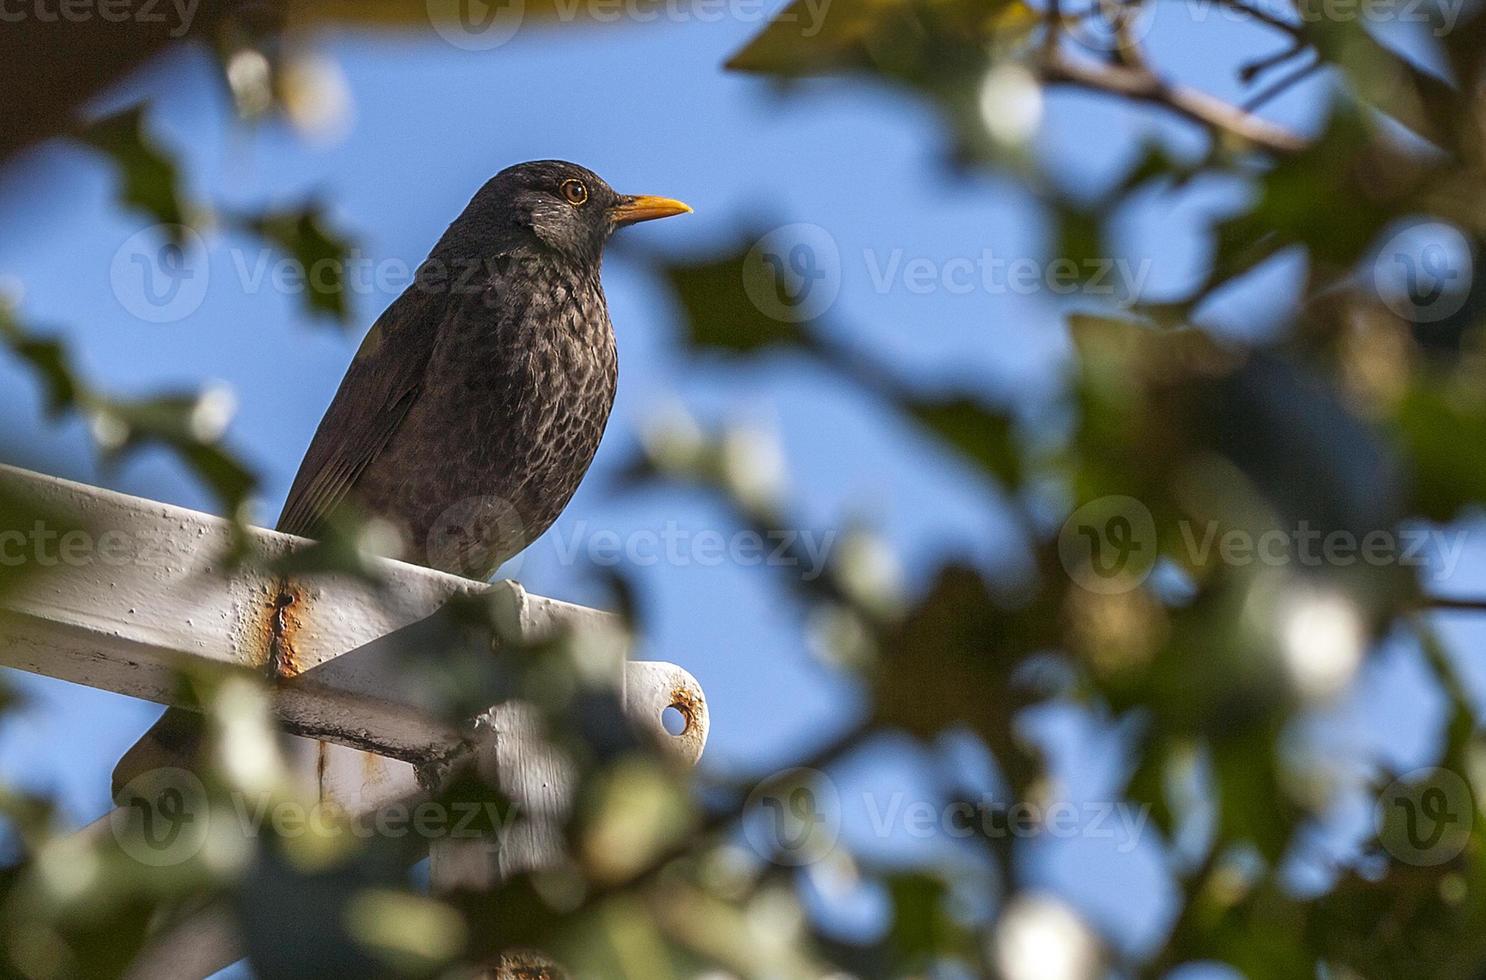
650, 109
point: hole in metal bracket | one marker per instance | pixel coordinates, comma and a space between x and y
675, 719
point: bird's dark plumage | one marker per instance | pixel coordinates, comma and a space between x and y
478, 399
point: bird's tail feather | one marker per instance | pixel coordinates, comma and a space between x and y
171, 743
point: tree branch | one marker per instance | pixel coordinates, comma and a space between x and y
1436, 602
1218, 116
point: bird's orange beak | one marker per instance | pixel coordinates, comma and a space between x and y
643, 207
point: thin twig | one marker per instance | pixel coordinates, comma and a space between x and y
1295, 30
1280, 85
1438, 602
1251, 69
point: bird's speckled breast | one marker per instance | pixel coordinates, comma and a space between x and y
510, 414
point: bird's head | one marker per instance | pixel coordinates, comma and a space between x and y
559, 206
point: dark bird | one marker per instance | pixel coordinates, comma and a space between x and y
477, 401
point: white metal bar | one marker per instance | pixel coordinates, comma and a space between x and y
123, 594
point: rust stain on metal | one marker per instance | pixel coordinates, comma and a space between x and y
372, 770
284, 621
688, 701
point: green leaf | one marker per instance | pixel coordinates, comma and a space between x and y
191, 424
800, 40
922, 931
1434, 419
983, 436
1149, 783
1081, 236
952, 660
1254, 806
724, 300
150, 179
1333, 197
896, 38
1417, 99
320, 253
48, 358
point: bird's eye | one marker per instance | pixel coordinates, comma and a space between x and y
574, 191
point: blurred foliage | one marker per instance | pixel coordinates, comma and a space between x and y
1173, 443
150, 182
190, 424
304, 236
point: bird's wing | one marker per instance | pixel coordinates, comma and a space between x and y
383, 382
